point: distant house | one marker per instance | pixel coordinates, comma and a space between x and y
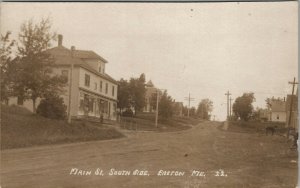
151, 92
94, 92
294, 115
278, 110
264, 114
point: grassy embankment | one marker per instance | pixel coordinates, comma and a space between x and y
146, 122
21, 128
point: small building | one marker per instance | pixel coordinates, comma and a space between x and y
264, 115
278, 110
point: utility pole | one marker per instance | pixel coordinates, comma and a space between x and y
230, 107
227, 103
156, 113
70, 85
291, 106
189, 99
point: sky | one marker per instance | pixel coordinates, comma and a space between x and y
204, 49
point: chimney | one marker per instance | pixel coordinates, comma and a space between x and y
60, 39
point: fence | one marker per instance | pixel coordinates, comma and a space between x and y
128, 123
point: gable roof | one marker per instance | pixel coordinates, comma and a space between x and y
81, 54
63, 56
84, 54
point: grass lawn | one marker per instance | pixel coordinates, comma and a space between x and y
21, 128
256, 127
146, 122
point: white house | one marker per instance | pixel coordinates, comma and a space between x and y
93, 91
278, 110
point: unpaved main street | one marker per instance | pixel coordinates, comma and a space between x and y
248, 160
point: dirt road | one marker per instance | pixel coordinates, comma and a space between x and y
247, 160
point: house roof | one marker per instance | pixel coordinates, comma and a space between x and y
278, 105
81, 54
63, 56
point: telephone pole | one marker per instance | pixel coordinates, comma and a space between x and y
189, 99
291, 106
70, 85
156, 113
230, 107
157, 101
227, 103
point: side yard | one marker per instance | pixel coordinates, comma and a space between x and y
256, 127
20, 128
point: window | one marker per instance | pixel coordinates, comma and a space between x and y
113, 91
106, 88
87, 80
277, 116
100, 86
65, 74
99, 68
95, 86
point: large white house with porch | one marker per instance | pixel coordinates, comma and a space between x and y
93, 91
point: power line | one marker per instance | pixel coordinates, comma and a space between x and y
189, 99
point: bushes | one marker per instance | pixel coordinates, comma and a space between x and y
52, 106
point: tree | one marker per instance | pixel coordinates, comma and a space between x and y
137, 92
204, 109
6, 69
242, 106
153, 98
123, 94
165, 105
53, 107
34, 76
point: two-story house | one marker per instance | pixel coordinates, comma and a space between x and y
150, 95
93, 91
278, 110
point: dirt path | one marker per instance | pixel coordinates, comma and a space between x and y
249, 160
